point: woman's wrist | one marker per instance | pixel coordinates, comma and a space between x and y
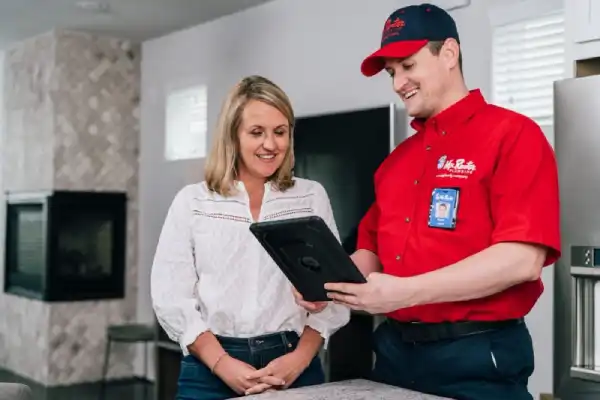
207, 349
309, 345
304, 356
216, 363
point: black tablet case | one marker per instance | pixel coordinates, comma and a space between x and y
308, 253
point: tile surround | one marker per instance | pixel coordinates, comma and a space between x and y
71, 121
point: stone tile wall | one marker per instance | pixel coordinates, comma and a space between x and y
71, 122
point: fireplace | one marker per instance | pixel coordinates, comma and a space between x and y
65, 245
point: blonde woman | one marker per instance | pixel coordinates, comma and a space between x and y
214, 289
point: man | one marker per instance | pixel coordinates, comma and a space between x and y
455, 290
442, 210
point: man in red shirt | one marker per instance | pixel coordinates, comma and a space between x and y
465, 218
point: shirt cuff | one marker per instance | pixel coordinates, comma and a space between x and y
190, 334
329, 321
552, 244
366, 244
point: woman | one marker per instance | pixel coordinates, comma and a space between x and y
215, 290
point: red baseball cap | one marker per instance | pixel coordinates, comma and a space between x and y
406, 31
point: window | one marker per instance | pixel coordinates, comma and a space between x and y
186, 124
527, 57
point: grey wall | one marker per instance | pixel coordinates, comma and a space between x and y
313, 49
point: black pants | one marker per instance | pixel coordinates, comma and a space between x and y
196, 382
494, 365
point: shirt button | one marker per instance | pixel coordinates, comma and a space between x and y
443, 132
407, 219
397, 257
416, 181
428, 148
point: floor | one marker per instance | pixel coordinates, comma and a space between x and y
130, 389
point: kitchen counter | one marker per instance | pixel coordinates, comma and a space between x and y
358, 389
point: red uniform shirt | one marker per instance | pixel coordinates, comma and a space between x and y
506, 174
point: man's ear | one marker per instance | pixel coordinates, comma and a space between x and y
450, 53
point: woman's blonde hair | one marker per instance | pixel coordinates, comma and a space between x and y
221, 166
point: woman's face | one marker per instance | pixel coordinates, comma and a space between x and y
264, 138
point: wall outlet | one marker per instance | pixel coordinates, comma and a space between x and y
547, 396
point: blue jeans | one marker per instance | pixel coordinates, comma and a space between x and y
492, 365
197, 382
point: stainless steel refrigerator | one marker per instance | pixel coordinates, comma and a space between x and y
577, 274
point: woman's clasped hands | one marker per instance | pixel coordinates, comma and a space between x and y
279, 374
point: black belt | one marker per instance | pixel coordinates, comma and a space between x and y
431, 332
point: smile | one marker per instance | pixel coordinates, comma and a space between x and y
410, 94
266, 156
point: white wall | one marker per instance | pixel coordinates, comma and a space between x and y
313, 49
583, 50
541, 319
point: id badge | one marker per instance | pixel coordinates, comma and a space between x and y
443, 207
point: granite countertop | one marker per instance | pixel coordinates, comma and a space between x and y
358, 389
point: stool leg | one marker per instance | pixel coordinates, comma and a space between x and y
105, 369
146, 371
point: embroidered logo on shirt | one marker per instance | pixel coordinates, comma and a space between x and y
455, 168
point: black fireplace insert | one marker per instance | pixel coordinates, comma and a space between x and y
66, 245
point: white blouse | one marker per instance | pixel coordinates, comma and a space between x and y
210, 272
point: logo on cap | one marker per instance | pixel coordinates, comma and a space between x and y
392, 27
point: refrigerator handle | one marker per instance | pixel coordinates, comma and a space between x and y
585, 273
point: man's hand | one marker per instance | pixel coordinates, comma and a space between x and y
315, 307
235, 374
285, 369
381, 294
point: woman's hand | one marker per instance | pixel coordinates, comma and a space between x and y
236, 373
286, 369
311, 307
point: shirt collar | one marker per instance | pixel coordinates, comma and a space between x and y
240, 185
457, 113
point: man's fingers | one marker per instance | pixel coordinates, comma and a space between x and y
259, 388
350, 306
348, 288
346, 299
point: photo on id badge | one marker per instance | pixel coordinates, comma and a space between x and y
443, 207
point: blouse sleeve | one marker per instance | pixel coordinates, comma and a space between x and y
174, 278
334, 316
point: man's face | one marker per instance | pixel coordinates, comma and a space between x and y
422, 79
443, 209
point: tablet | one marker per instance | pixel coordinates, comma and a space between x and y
308, 254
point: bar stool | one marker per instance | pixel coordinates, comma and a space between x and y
127, 333
15, 391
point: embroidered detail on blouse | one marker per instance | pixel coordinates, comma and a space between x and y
287, 213
229, 217
284, 197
